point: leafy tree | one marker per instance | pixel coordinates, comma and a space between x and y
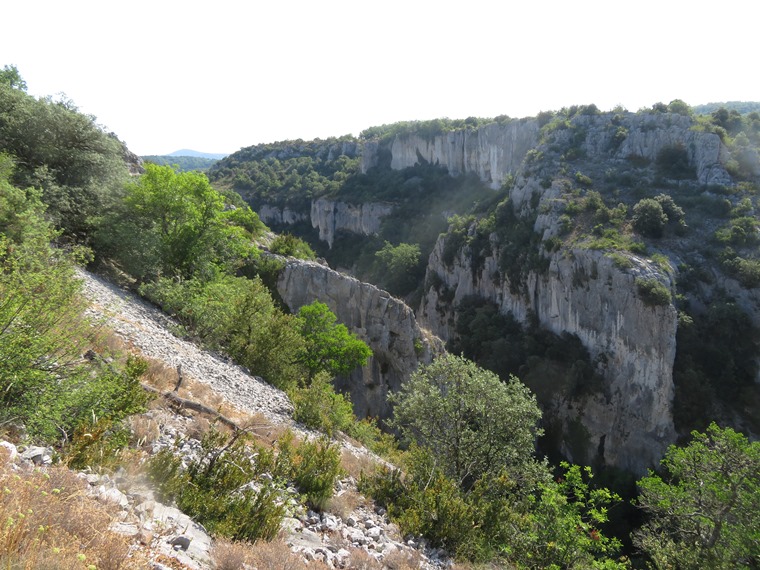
44, 383
475, 423
11, 77
239, 316
564, 524
80, 168
398, 267
704, 511
649, 218
329, 346
176, 224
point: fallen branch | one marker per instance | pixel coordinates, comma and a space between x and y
190, 405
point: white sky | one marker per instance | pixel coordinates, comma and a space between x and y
219, 75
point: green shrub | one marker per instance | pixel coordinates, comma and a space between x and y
315, 468
653, 292
318, 406
649, 218
214, 489
291, 246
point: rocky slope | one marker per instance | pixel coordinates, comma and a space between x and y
166, 532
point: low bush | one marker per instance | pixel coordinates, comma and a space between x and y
653, 292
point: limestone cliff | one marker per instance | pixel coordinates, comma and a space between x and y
630, 424
492, 152
330, 216
385, 323
271, 214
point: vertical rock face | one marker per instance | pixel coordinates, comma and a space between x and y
492, 152
583, 293
385, 323
329, 217
275, 215
648, 135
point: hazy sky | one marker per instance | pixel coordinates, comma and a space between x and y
217, 76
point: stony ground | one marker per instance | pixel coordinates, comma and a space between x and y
355, 530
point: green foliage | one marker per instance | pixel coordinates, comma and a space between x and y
318, 406
673, 162
328, 346
288, 173
315, 468
291, 246
237, 315
176, 224
649, 218
79, 168
715, 364
564, 528
549, 364
449, 406
703, 511
398, 268
182, 163
11, 77
235, 488
427, 129
44, 383
536, 523
215, 489
652, 291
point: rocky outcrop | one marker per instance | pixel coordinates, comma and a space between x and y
329, 217
385, 323
647, 135
270, 214
492, 152
630, 424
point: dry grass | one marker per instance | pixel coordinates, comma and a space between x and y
356, 464
403, 560
396, 560
274, 555
49, 522
145, 430
344, 504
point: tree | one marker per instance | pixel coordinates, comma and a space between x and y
11, 77
705, 510
44, 382
649, 218
329, 346
175, 223
475, 423
398, 267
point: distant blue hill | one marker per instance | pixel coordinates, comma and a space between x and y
196, 154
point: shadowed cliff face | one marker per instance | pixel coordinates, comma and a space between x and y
385, 323
629, 424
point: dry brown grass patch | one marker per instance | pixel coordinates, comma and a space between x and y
403, 560
274, 555
345, 503
356, 464
49, 522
